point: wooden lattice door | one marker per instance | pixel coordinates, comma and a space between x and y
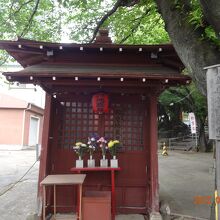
125, 122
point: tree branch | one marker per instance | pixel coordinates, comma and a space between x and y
129, 3
135, 27
3, 61
31, 18
211, 10
21, 6
105, 17
10, 13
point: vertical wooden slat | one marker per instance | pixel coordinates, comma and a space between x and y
54, 200
80, 201
44, 202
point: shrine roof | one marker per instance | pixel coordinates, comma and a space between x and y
49, 70
45, 61
29, 52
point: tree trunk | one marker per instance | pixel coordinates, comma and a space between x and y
202, 141
194, 52
211, 10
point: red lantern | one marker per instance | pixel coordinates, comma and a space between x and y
100, 103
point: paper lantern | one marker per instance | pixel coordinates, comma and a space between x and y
100, 103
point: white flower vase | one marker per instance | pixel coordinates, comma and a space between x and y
91, 162
103, 162
114, 162
79, 163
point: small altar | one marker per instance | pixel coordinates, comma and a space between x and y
102, 169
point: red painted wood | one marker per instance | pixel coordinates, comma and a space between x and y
44, 158
129, 81
113, 193
95, 169
130, 182
45, 144
129, 191
153, 158
137, 182
127, 187
90, 54
78, 200
112, 170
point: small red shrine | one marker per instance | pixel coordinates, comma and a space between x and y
130, 78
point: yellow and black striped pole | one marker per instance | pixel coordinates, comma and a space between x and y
216, 204
217, 178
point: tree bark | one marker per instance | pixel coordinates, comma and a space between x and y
194, 52
202, 141
211, 10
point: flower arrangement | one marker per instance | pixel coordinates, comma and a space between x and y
80, 149
103, 145
92, 144
113, 146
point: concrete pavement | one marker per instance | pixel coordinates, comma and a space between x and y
183, 175
20, 200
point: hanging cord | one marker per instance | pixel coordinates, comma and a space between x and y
14, 184
184, 97
172, 103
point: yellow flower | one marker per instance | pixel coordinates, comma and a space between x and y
79, 143
110, 144
116, 142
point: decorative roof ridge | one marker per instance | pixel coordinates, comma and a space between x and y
103, 37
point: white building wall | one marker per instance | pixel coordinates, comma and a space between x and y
30, 93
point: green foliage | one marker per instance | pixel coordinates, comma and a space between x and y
188, 98
210, 34
3, 57
174, 101
56, 20
194, 16
30, 20
83, 17
140, 25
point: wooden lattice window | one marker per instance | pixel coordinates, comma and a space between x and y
123, 122
77, 124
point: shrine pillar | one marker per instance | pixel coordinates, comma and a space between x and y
153, 159
43, 169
